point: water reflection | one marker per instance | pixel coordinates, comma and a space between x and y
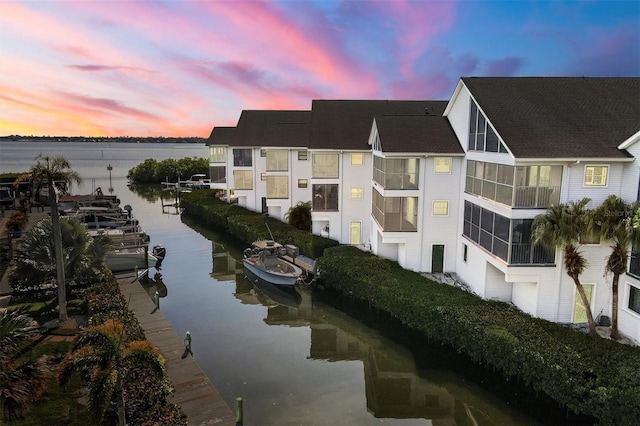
395, 387
153, 284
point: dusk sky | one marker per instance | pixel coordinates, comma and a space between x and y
178, 68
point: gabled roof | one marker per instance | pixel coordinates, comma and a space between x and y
221, 135
273, 128
346, 124
424, 133
567, 117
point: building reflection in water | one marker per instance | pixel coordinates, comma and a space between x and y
395, 387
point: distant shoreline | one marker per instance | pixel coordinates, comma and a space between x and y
113, 139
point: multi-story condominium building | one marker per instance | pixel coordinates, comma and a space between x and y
531, 143
454, 186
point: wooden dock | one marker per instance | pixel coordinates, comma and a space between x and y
194, 392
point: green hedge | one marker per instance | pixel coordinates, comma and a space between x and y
249, 226
589, 375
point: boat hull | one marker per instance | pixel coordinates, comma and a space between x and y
256, 271
129, 259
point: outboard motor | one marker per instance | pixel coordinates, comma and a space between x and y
159, 252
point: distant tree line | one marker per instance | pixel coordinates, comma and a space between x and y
170, 170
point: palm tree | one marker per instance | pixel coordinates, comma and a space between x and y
49, 170
562, 226
20, 384
35, 262
104, 355
610, 221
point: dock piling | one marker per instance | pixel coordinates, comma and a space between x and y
239, 410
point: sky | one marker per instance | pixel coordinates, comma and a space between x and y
178, 68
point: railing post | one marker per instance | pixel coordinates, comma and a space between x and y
156, 299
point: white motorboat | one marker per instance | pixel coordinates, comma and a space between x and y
127, 259
264, 261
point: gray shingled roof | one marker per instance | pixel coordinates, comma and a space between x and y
221, 135
417, 134
560, 117
346, 124
273, 128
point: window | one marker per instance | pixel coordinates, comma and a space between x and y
218, 174
277, 187
396, 173
481, 134
442, 164
395, 214
325, 197
324, 165
217, 154
520, 186
355, 193
357, 159
303, 183
580, 310
243, 179
277, 161
595, 175
509, 240
634, 299
634, 261
355, 229
242, 157
440, 208
303, 155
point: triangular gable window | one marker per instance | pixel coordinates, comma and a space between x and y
481, 134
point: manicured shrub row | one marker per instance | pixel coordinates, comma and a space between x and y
589, 375
146, 397
249, 226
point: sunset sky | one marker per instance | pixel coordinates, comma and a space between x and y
178, 68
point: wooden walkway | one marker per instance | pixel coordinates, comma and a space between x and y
195, 394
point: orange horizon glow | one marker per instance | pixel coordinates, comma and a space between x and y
178, 69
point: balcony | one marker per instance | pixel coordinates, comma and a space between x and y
536, 197
528, 254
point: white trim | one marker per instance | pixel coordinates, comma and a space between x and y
633, 139
574, 159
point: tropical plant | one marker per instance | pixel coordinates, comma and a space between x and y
299, 216
49, 171
563, 225
35, 261
20, 383
103, 356
609, 220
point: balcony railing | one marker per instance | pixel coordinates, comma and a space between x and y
528, 254
536, 197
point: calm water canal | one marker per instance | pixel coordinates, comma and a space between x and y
293, 360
